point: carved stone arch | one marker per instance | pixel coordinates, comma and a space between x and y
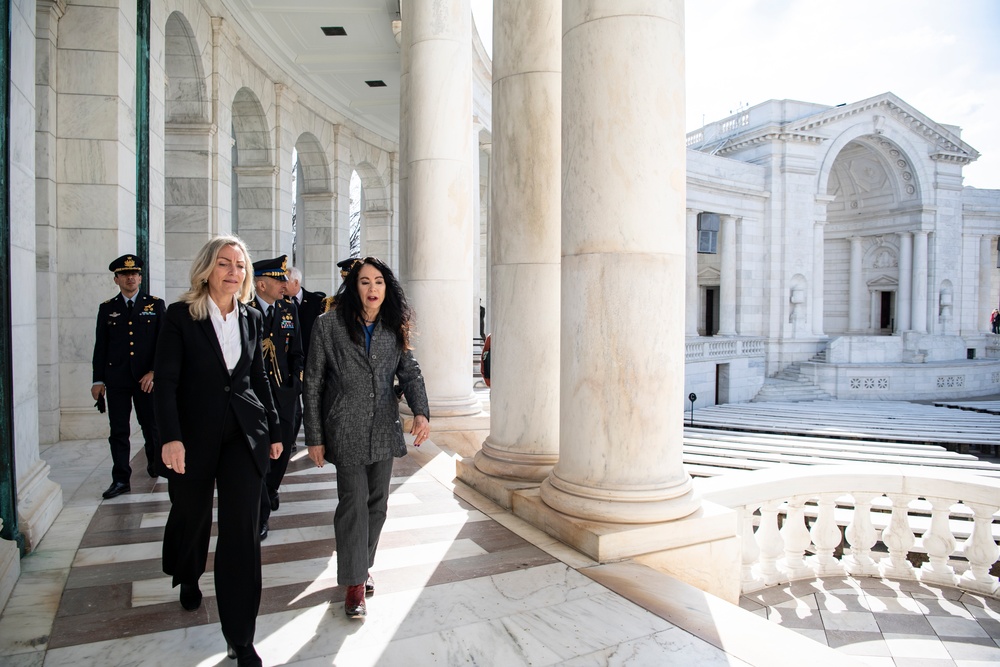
186, 95
379, 231
314, 247
881, 139
250, 130
254, 175
881, 254
187, 148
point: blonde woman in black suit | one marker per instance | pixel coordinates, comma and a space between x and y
219, 426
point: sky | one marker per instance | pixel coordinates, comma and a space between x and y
940, 56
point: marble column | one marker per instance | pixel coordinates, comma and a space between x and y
727, 276
622, 345
987, 265
903, 298
523, 443
402, 35
691, 275
918, 317
856, 289
439, 253
818, 273
478, 296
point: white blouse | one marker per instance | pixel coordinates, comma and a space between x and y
227, 330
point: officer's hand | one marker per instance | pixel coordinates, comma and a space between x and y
96, 391
146, 382
316, 455
173, 456
276, 449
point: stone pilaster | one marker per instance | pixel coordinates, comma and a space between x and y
987, 265
691, 275
727, 277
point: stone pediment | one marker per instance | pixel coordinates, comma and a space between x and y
709, 276
810, 129
948, 145
883, 282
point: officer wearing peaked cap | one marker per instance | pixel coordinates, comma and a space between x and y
128, 325
282, 347
345, 266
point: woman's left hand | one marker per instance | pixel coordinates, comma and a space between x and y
421, 429
276, 449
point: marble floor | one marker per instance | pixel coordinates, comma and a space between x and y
459, 582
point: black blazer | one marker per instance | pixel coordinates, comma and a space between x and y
284, 369
194, 390
309, 309
124, 346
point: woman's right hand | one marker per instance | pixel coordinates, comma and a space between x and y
172, 454
316, 455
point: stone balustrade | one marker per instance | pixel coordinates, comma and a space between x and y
711, 347
880, 513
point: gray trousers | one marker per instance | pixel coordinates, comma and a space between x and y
363, 495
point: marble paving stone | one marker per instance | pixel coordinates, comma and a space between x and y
981, 607
669, 647
991, 627
950, 627
849, 621
813, 634
973, 648
928, 662
796, 618
877, 661
901, 605
851, 642
904, 624
945, 607
915, 646
842, 603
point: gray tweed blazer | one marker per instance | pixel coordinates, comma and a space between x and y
348, 403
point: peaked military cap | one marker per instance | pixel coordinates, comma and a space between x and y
272, 268
126, 264
347, 264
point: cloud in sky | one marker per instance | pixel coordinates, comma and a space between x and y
941, 56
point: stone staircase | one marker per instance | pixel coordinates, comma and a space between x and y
789, 385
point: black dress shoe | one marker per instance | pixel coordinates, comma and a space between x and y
275, 501
116, 489
294, 447
244, 655
263, 531
354, 603
190, 596
369, 586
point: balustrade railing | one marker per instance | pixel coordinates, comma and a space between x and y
864, 520
713, 348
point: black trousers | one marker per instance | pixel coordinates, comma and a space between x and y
237, 550
362, 498
120, 398
276, 468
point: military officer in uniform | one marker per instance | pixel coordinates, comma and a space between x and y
345, 265
282, 346
127, 328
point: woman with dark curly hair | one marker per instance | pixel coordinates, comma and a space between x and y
351, 413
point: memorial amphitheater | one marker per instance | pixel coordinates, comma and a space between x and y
744, 401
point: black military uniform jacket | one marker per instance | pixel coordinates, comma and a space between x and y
283, 361
124, 345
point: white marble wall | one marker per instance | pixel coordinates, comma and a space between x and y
38, 498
